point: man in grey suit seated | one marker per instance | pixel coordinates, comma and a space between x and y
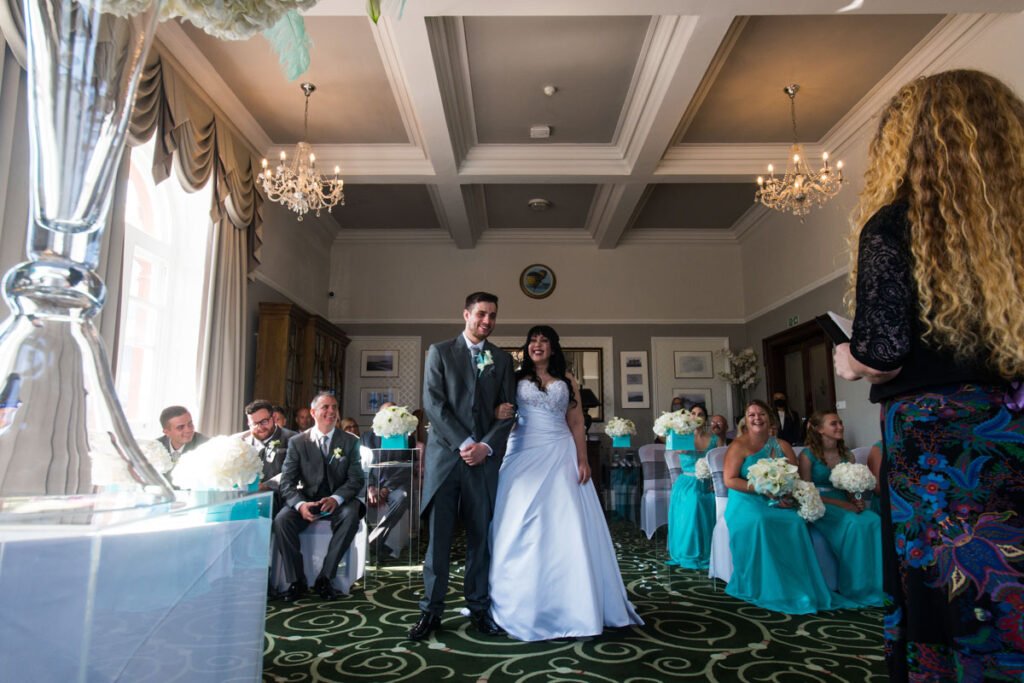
180, 435
321, 477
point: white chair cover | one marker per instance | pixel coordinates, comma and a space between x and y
657, 488
674, 468
860, 454
720, 563
313, 541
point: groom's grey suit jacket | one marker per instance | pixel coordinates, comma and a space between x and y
460, 404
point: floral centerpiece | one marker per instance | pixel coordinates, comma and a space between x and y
223, 463
393, 425
674, 426
742, 373
157, 455
853, 478
108, 467
620, 430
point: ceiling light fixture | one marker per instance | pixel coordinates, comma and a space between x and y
800, 188
539, 204
298, 185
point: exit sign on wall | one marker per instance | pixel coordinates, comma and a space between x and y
793, 321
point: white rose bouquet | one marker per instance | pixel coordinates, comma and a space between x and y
773, 477
223, 463
619, 426
394, 421
157, 455
806, 494
680, 422
853, 478
701, 469
110, 469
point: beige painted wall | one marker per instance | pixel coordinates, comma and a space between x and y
427, 282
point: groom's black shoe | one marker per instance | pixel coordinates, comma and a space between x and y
421, 629
483, 622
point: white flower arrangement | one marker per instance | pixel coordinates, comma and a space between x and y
225, 19
394, 421
223, 463
157, 455
680, 422
772, 477
742, 370
806, 494
619, 426
853, 478
701, 469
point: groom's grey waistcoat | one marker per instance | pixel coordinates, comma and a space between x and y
460, 404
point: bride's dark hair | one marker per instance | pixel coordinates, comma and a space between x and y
556, 364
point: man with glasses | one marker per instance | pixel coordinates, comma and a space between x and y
272, 442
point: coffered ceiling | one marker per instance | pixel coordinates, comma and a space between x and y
663, 111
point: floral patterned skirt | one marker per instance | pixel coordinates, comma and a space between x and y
953, 543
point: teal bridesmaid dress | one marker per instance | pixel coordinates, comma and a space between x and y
774, 565
691, 514
855, 539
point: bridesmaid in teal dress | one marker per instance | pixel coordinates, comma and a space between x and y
853, 532
691, 509
774, 565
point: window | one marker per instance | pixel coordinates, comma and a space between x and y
167, 233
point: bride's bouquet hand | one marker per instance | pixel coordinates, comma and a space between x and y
505, 411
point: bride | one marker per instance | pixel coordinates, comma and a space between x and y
553, 568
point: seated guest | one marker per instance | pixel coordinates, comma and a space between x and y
180, 435
720, 428
281, 417
387, 495
691, 509
347, 424
325, 461
303, 419
789, 425
272, 442
853, 533
774, 565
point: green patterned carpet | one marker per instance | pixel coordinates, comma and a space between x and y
693, 632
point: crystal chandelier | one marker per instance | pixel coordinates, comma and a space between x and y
800, 188
298, 185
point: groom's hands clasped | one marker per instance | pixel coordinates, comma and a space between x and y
475, 454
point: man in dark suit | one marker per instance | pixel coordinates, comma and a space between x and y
790, 425
180, 435
325, 461
465, 379
272, 443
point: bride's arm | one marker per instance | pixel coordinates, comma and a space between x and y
574, 416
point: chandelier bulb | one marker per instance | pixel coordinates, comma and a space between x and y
839, 165
824, 156
771, 169
264, 162
760, 180
312, 158
283, 155
796, 158
337, 170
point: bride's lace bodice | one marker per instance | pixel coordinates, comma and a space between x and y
554, 400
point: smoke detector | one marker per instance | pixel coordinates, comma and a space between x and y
540, 132
539, 204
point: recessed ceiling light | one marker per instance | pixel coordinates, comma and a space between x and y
539, 204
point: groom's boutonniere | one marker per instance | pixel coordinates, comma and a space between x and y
483, 361
337, 453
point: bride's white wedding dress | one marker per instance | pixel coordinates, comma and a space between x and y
553, 568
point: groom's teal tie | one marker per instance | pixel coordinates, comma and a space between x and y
476, 360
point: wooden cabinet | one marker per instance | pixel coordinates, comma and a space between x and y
297, 355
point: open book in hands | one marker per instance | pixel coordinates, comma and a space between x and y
838, 328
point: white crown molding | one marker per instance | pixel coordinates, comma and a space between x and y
567, 236
180, 47
392, 235
299, 299
385, 38
372, 161
751, 218
678, 236
695, 160
797, 294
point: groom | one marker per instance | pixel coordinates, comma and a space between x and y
465, 379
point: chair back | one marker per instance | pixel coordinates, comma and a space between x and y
673, 465
655, 471
860, 454
716, 463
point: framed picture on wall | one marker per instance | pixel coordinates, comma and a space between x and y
693, 365
370, 400
378, 363
636, 391
692, 396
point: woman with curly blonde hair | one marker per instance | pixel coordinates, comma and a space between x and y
938, 330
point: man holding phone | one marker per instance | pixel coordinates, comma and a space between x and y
325, 461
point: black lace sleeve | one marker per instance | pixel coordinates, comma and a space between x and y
886, 304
